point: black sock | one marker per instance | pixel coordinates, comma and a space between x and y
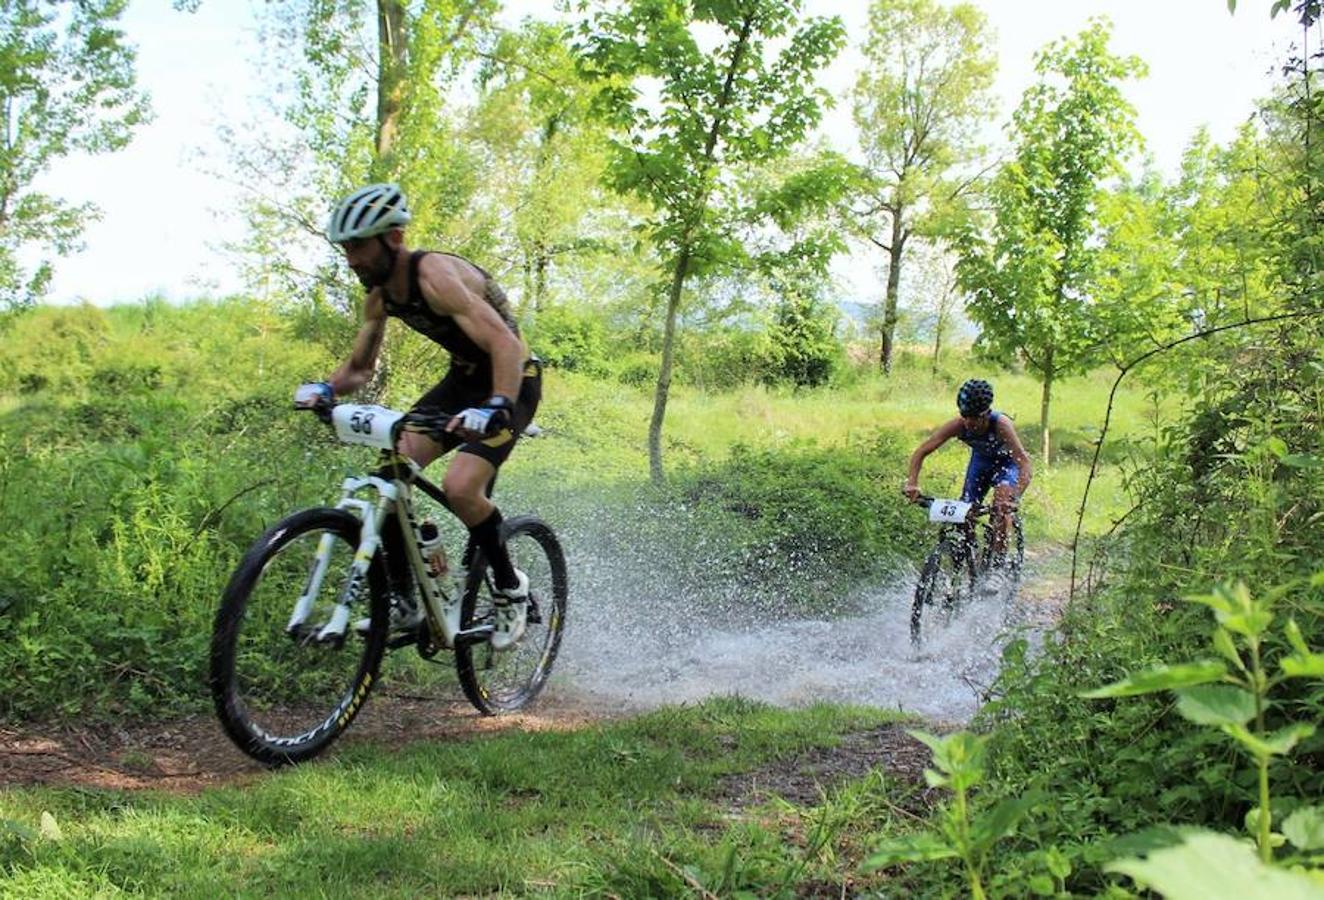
487, 536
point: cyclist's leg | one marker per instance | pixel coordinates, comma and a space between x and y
978, 479
1004, 501
470, 475
422, 449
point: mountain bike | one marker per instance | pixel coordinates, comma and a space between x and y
290, 669
947, 580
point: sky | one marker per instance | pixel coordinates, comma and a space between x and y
165, 219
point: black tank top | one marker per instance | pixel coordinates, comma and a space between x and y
467, 358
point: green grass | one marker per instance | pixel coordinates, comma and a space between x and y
612, 809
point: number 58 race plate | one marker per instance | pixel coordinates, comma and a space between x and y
366, 424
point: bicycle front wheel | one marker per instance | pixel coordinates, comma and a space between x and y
498, 681
282, 694
945, 584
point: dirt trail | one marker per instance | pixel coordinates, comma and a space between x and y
189, 754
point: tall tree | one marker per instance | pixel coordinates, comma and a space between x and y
546, 156
919, 102
730, 85
359, 91
66, 86
1032, 283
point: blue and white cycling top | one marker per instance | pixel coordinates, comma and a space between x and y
991, 461
989, 445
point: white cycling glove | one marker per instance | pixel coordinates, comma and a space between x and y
316, 394
489, 418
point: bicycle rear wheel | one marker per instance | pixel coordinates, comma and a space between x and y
281, 695
498, 681
945, 585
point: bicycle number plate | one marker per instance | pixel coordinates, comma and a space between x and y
366, 424
950, 511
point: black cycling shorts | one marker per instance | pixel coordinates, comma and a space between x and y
457, 392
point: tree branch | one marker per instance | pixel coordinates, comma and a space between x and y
1112, 394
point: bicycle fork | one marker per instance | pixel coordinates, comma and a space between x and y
372, 516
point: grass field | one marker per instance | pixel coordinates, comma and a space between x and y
599, 432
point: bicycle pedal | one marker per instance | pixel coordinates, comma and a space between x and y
335, 640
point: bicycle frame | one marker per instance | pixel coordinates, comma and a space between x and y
441, 606
965, 534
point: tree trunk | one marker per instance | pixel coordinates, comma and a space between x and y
664, 374
391, 66
893, 284
391, 69
937, 339
1045, 401
541, 260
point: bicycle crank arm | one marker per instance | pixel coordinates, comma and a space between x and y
479, 634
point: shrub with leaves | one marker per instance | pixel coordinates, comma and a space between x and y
1234, 695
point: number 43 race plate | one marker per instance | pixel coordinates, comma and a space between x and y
950, 511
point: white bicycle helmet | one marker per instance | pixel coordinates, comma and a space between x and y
368, 212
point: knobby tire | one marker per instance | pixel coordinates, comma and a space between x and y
497, 681
240, 721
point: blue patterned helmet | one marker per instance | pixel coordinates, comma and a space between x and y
975, 397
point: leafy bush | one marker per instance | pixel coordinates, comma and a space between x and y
805, 350
1231, 491
804, 521
722, 358
570, 338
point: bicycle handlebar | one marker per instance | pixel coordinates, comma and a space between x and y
430, 424
976, 509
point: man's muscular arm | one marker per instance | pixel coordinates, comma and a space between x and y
355, 371
455, 289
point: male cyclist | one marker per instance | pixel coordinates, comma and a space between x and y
490, 391
997, 458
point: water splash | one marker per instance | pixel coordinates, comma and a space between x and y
637, 641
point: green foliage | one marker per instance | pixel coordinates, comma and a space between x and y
570, 338
1206, 864
1033, 283
129, 525
959, 766
1243, 694
744, 104
804, 349
346, 123
68, 87
543, 161
801, 522
919, 102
